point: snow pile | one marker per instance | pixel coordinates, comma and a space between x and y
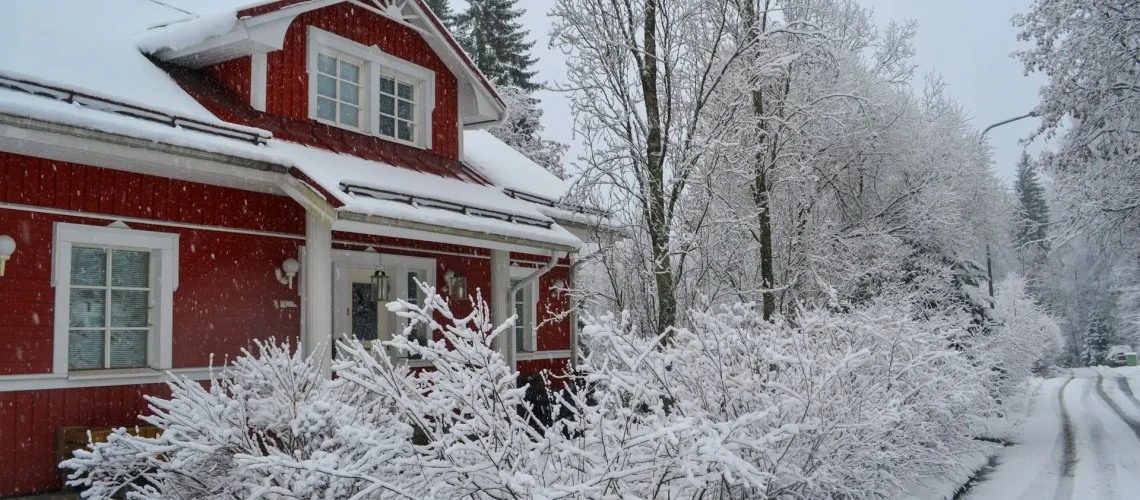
839, 405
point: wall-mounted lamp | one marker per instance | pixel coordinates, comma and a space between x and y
456, 285
287, 271
7, 248
380, 285
559, 286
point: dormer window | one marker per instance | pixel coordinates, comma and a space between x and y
397, 107
339, 82
362, 89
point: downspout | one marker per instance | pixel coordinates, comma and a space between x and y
574, 262
512, 350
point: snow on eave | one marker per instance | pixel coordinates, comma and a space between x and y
81, 97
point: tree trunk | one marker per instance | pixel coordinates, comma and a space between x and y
761, 188
655, 215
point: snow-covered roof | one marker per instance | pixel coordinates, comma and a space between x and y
506, 167
79, 62
372, 188
90, 47
522, 178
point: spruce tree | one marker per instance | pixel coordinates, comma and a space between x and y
1098, 340
442, 10
1033, 223
490, 32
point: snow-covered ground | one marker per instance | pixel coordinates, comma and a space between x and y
1081, 440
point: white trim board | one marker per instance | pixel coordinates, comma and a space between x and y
540, 355
53, 381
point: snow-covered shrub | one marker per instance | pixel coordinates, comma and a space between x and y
1026, 340
837, 405
267, 427
841, 405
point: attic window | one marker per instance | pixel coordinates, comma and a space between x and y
362, 89
397, 108
339, 82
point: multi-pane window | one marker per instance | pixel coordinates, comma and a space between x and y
522, 305
339, 90
109, 308
363, 89
397, 108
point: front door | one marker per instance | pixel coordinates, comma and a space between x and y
365, 316
356, 313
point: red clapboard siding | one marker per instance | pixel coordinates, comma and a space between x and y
227, 282
29, 421
235, 75
37, 182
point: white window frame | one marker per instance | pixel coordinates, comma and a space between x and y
530, 309
363, 83
163, 248
377, 62
396, 266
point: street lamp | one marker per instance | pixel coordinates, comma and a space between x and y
989, 265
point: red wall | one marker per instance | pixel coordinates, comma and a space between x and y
224, 300
29, 421
226, 280
288, 83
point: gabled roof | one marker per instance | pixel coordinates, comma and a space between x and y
85, 71
221, 30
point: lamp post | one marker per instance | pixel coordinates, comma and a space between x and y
989, 265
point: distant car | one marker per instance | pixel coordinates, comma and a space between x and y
1118, 355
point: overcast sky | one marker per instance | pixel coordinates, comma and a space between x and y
968, 42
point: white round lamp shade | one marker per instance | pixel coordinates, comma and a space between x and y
7, 245
291, 266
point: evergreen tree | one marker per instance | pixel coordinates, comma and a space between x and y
1098, 339
442, 10
490, 32
522, 130
1033, 225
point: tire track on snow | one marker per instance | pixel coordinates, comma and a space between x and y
1069, 449
1128, 419
1127, 390
1105, 468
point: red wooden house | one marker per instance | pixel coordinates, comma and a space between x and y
183, 177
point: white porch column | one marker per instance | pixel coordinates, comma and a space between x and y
318, 289
501, 303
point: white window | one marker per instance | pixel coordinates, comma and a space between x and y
363, 89
114, 298
397, 108
340, 80
359, 314
524, 307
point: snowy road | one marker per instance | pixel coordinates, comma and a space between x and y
1080, 441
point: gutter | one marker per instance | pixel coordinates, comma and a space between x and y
134, 142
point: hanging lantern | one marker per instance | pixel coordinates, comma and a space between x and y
456, 285
380, 285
